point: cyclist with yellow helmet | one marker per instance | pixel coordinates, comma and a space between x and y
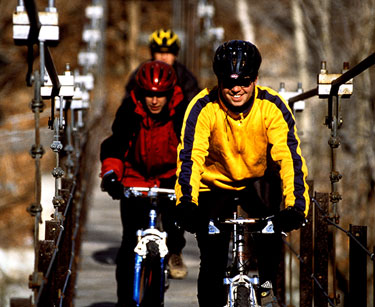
165, 43
164, 46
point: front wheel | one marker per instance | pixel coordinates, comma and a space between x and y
242, 296
151, 291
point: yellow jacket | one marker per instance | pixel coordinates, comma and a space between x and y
222, 149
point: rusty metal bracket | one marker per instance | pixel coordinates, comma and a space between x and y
58, 201
334, 142
37, 151
35, 280
45, 252
52, 230
58, 172
21, 302
34, 209
335, 176
326, 81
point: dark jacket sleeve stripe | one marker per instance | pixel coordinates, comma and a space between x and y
188, 141
292, 142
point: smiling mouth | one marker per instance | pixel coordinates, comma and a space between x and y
236, 97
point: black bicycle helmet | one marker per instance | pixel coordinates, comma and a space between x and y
164, 41
237, 59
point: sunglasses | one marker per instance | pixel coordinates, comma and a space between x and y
230, 83
155, 94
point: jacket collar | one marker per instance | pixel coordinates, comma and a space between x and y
231, 111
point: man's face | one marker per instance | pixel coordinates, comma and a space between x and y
165, 57
237, 93
155, 104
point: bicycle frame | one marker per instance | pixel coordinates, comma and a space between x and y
151, 234
238, 258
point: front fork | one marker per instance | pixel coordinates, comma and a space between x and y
137, 278
151, 234
162, 281
241, 279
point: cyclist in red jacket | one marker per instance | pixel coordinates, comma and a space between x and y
142, 152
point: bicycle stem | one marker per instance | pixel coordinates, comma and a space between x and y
152, 216
241, 250
234, 252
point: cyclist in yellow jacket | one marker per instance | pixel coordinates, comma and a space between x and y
239, 140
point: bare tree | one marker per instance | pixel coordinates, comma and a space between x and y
245, 21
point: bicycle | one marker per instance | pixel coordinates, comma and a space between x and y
150, 272
241, 288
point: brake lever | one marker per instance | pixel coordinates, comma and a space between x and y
269, 228
212, 229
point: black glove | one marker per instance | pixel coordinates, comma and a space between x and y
288, 219
187, 216
111, 185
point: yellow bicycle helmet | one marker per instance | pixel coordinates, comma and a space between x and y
164, 41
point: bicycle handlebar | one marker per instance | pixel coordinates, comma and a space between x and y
149, 192
266, 228
241, 221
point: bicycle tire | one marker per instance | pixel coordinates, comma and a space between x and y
242, 297
150, 283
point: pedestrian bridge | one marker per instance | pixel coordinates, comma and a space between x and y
74, 262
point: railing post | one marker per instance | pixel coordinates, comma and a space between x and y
20, 302
306, 253
358, 267
56, 258
45, 293
321, 250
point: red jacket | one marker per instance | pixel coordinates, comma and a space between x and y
142, 149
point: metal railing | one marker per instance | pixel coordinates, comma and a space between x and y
332, 87
56, 260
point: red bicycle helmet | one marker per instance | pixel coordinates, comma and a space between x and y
156, 77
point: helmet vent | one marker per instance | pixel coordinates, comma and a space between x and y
238, 58
156, 76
